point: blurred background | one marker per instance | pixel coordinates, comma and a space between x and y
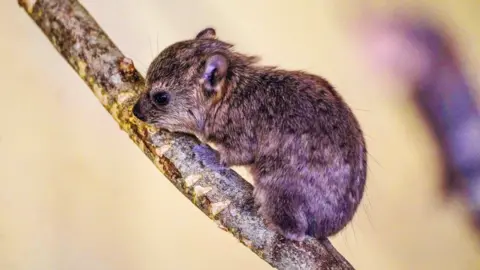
76, 193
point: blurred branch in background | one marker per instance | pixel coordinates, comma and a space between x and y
218, 191
419, 51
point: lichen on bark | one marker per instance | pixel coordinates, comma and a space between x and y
218, 191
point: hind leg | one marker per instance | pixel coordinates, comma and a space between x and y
283, 212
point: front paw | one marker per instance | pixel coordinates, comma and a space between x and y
208, 156
222, 159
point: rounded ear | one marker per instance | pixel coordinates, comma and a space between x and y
207, 33
214, 73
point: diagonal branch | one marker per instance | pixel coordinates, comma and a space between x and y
218, 191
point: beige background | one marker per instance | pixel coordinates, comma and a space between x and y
76, 193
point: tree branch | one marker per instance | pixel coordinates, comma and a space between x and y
218, 191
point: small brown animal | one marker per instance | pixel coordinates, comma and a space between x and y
302, 143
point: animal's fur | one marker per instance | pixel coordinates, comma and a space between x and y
301, 141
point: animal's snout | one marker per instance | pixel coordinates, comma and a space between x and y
137, 112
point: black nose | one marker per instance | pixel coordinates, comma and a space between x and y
137, 112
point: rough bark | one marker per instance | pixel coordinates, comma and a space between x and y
218, 191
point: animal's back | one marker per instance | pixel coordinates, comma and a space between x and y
312, 147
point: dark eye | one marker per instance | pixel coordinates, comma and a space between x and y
161, 98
